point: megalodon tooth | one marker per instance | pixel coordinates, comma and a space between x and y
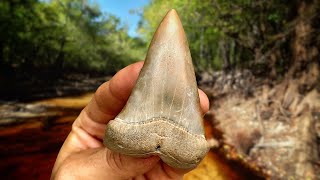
162, 115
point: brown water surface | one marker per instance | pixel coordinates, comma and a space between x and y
32, 134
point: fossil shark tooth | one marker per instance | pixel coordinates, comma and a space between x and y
162, 115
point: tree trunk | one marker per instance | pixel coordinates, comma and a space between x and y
59, 63
225, 52
305, 49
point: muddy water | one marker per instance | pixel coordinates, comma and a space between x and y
32, 134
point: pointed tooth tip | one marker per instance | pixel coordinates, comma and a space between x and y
171, 23
171, 14
172, 11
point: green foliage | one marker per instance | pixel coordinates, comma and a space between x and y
226, 34
63, 35
74, 35
196, 18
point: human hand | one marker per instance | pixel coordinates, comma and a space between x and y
83, 156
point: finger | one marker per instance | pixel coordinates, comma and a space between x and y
101, 163
204, 102
108, 101
111, 96
167, 172
88, 129
127, 166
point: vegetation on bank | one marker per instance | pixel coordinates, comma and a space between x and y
62, 36
268, 37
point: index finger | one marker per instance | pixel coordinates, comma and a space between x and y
111, 96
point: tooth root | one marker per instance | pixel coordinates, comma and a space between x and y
162, 115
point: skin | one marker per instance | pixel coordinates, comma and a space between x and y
83, 156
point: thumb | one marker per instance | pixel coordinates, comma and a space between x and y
101, 163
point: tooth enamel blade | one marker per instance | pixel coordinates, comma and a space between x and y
162, 115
